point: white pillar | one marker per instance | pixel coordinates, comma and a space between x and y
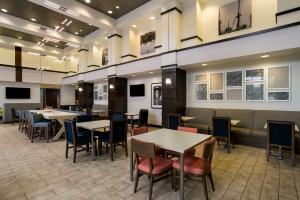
83, 60
94, 56
129, 44
114, 48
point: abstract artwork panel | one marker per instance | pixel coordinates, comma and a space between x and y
235, 16
216, 82
254, 75
148, 43
216, 96
279, 77
156, 95
201, 92
278, 96
234, 79
255, 92
234, 94
105, 56
201, 78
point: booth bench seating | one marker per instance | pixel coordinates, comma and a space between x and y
250, 131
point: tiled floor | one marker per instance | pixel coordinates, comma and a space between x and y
40, 171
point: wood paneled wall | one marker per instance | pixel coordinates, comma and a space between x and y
86, 96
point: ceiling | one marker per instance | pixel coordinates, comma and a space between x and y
30, 38
27, 10
125, 6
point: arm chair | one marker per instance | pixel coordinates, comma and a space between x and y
14, 117
221, 128
281, 135
174, 120
116, 137
155, 167
39, 127
199, 167
76, 139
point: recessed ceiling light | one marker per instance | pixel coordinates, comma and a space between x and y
33, 19
64, 21
90, 24
151, 72
133, 25
117, 7
133, 75
56, 46
76, 33
106, 38
109, 12
87, 1
204, 64
69, 23
265, 56
4, 10
152, 17
20, 38
80, 30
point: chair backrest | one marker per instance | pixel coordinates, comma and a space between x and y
118, 130
187, 129
143, 117
37, 117
143, 149
13, 112
139, 130
20, 112
221, 126
71, 132
281, 133
117, 116
208, 150
84, 118
174, 120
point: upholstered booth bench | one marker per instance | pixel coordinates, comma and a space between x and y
250, 131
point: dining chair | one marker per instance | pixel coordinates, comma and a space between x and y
117, 136
174, 120
281, 135
187, 129
39, 127
198, 167
76, 139
148, 163
117, 116
14, 116
143, 118
221, 128
21, 114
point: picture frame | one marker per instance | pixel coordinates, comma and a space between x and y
201, 91
216, 96
200, 78
255, 75
279, 78
156, 95
216, 81
255, 92
147, 43
280, 96
234, 94
234, 79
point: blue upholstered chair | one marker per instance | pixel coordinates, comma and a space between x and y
84, 118
38, 126
14, 116
116, 137
222, 130
174, 120
281, 135
75, 138
117, 116
21, 114
142, 120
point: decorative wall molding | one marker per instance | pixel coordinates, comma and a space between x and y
191, 38
113, 35
82, 50
93, 66
287, 12
169, 66
170, 10
158, 46
129, 55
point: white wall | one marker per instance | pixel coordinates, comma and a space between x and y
294, 104
67, 95
34, 93
137, 103
7, 73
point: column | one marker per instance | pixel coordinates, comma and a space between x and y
174, 93
129, 44
83, 59
94, 55
85, 95
117, 94
114, 48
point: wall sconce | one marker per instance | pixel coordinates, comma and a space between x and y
168, 81
111, 86
80, 89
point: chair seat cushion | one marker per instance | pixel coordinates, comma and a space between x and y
160, 165
193, 166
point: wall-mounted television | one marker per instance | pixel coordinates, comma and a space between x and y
17, 93
137, 90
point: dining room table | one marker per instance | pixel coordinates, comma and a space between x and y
93, 126
186, 118
59, 116
174, 140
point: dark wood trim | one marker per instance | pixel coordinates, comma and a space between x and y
158, 46
155, 125
191, 38
101, 68
129, 55
93, 66
287, 12
18, 63
114, 35
168, 66
170, 10
82, 50
243, 36
6, 65
112, 75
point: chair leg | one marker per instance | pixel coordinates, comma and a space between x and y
211, 181
136, 180
204, 187
172, 178
151, 187
112, 152
47, 134
75, 151
268, 152
293, 157
32, 133
87, 147
228, 146
67, 149
126, 149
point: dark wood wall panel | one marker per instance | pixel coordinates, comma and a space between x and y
18, 63
117, 96
51, 97
174, 94
86, 96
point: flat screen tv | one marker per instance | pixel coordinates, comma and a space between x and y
17, 93
137, 90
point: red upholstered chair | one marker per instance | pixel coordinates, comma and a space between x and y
199, 167
139, 130
148, 163
187, 129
